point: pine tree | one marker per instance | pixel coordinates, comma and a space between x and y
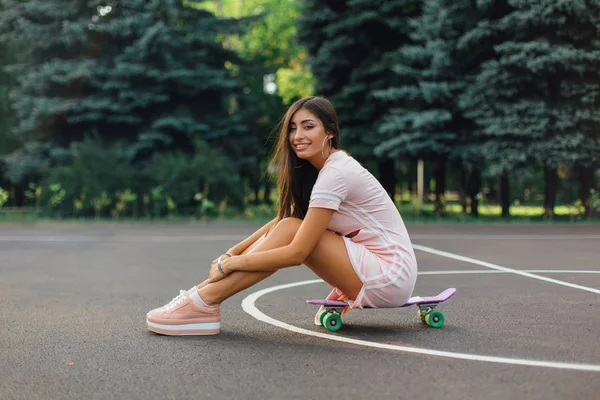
150, 73
5, 110
556, 46
503, 150
347, 42
536, 97
425, 121
275, 74
6, 117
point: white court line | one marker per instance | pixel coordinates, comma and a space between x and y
249, 306
504, 269
533, 271
505, 237
127, 239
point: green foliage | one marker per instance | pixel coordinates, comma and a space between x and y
207, 175
3, 197
595, 200
174, 93
293, 84
348, 42
85, 184
424, 120
8, 141
534, 97
149, 73
270, 41
275, 73
102, 181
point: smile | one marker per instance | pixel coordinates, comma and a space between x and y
301, 146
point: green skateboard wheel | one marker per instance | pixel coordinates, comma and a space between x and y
322, 315
333, 322
435, 319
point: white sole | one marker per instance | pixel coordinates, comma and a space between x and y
207, 328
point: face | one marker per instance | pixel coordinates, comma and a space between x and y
306, 134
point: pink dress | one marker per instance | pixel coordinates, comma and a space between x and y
381, 253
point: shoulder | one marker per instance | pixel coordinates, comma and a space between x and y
343, 165
340, 161
330, 175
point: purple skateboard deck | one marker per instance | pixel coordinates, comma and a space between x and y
440, 298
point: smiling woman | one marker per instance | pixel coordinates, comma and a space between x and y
334, 217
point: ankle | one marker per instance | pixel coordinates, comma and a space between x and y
207, 298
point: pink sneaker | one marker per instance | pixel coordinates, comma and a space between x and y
184, 317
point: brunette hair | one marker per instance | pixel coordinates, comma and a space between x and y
296, 177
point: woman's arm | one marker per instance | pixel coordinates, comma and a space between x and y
309, 233
244, 244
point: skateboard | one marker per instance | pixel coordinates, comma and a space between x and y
331, 316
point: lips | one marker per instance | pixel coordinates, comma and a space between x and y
301, 146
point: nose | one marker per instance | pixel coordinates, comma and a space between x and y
296, 135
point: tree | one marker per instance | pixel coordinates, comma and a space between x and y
275, 73
535, 97
8, 141
504, 149
152, 74
425, 121
555, 46
347, 42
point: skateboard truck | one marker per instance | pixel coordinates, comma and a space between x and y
429, 316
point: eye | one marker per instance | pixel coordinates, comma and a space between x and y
291, 129
308, 127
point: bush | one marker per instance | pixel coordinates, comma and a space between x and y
194, 183
103, 181
88, 184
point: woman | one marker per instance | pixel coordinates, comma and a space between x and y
334, 217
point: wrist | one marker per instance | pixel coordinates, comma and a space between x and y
226, 265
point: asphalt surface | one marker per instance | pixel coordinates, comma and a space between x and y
73, 299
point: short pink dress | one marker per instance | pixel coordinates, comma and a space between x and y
381, 253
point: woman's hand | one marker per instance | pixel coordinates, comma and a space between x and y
225, 255
214, 274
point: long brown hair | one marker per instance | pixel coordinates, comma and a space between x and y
296, 177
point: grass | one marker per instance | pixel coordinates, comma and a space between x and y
263, 213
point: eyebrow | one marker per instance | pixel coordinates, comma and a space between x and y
306, 120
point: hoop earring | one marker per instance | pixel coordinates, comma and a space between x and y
323, 148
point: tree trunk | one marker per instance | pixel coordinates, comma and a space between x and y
462, 189
470, 186
474, 207
473, 189
587, 181
551, 180
387, 176
268, 184
505, 195
256, 186
440, 185
17, 193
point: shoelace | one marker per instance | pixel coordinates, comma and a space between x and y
176, 300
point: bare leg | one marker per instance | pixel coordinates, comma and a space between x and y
280, 235
329, 260
248, 250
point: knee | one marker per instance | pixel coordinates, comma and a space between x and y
289, 223
288, 226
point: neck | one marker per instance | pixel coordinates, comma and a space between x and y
318, 161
